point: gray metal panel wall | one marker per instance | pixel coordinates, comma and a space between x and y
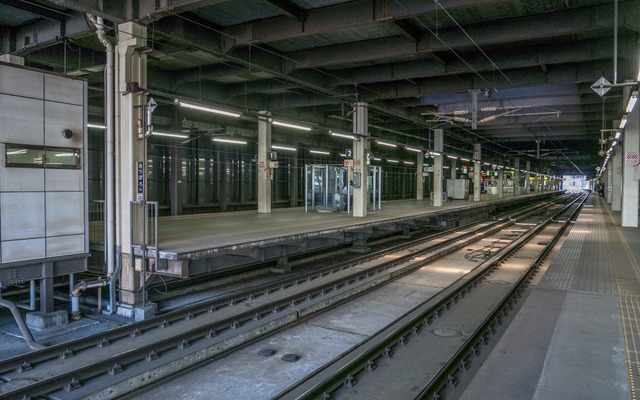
43, 211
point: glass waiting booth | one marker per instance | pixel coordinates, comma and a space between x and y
329, 188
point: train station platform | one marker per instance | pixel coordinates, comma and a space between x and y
258, 237
576, 335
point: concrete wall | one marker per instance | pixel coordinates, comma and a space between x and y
43, 211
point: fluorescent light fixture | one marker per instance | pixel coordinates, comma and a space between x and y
342, 135
452, 157
409, 162
377, 159
14, 152
632, 101
638, 77
465, 159
413, 149
435, 153
447, 167
618, 134
487, 163
207, 109
174, 135
326, 153
393, 161
232, 141
288, 125
96, 126
65, 155
285, 148
615, 142
381, 143
623, 121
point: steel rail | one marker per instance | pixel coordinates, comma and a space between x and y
342, 371
446, 376
115, 363
29, 360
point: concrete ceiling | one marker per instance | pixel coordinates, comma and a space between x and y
417, 63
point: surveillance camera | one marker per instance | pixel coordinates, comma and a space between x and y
67, 133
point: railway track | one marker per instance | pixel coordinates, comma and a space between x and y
446, 333
113, 363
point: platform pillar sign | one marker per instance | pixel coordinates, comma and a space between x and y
477, 171
630, 165
265, 170
420, 176
361, 148
140, 190
130, 73
437, 167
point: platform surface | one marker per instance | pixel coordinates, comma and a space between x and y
575, 336
185, 236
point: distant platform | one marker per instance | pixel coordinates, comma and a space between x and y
205, 235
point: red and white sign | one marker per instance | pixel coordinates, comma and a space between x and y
633, 157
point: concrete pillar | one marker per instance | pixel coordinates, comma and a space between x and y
360, 151
616, 184
501, 183
46, 289
527, 176
631, 144
437, 167
477, 171
420, 176
452, 168
516, 177
131, 66
264, 172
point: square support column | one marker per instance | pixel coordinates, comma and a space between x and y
477, 171
264, 172
501, 183
609, 180
130, 66
630, 145
360, 151
420, 176
616, 186
437, 167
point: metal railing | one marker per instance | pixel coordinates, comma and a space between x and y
96, 221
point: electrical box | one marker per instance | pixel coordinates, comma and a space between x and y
357, 180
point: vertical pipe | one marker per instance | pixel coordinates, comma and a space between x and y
349, 189
71, 283
32, 295
306, 188
326, 187
374, 194
615, 42
99, 310
379, 188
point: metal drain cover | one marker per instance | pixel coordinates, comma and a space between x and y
290, 357
267, 352
446, 332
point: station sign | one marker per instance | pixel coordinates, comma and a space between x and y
348, 153
273, 164
140, 192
